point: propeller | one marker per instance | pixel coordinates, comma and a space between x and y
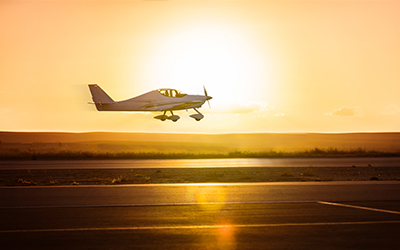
207, 96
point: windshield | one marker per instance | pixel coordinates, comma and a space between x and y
171, 93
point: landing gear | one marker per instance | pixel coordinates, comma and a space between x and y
164, 117
197, 116
173, 117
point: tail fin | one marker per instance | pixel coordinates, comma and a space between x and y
98, 95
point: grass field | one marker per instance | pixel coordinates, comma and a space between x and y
16, 154
64, 146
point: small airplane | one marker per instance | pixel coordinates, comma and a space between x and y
167, 100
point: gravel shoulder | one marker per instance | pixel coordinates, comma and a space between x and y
56, 177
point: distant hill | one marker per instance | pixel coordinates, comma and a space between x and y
253, 141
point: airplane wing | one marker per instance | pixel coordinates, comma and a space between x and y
158, 107
169, 106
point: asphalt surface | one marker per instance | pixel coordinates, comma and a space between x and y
333, 215
203, 163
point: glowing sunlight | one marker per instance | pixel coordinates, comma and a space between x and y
217, 55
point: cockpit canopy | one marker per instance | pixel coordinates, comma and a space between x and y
171, 93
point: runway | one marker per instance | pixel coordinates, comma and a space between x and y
202, 163
333, 215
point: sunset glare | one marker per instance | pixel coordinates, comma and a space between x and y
270, 66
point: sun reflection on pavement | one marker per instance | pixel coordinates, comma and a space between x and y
212, 199
226, 237
208, 197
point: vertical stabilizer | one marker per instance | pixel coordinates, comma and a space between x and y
98, 95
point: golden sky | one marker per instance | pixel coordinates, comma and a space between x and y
270, 66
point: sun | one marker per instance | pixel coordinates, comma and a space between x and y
219, 56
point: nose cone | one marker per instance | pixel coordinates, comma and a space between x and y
208, 98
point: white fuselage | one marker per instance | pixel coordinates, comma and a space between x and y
154, 101
165, 100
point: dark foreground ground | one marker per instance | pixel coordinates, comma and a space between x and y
50, 177
247, 216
